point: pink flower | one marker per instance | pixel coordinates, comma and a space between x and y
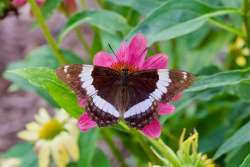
20, 3
133, 55
70, 5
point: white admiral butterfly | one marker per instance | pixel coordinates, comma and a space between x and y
122, 94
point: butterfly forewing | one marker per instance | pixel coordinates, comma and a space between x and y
150, 87
176, 81
69, 74
89, 82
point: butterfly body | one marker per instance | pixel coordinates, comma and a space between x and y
124, 76
123, 94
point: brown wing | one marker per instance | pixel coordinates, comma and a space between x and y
69, 74
93, 83
179, 80
147, 88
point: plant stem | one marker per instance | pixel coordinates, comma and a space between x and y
82, 39
226, 27
166, 152
108, 139
79, 35
84, 4
46, 32
246, 8
140, 140
174, 51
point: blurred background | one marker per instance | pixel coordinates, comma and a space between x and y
214, 45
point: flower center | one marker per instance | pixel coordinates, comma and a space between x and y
51, 129
120, 66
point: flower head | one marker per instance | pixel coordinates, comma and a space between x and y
70, 5
186, 155
131, 56
20, 3
10, 162
53, 137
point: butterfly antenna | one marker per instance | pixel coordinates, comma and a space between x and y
113, 51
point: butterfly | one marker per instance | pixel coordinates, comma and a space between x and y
121, 94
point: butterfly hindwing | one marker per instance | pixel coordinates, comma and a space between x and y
175, 80
101, 117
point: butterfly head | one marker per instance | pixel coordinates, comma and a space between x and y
121, 66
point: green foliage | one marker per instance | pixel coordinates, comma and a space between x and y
100, 159
173, 19
246, 162
40, 57
48, 81
201, 37
220, 79
87, 145
49, 7
242, 136
24, 152
105, 20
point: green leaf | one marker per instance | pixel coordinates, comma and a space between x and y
188, 99
107, 38
220, 79
142, 6
175, 18
29, 160
46, 79
18, 150
243, 90
49, 7
246, 162
5, 6
237, 155
96, 45
105, 20
24, 152
194, 59
87, 145
40, 57
100, 159
240, 137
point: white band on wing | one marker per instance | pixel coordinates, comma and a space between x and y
161, 88
87, 80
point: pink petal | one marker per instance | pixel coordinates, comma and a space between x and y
82, 102
158, 61
40, 2
166, 108
85, 122
177, 96
122, 53
103, 59
19, 3
70, 5
152, 130
137, 50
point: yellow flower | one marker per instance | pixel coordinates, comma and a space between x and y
241, 61
54, 138
188, 150
10, 162
186, 155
